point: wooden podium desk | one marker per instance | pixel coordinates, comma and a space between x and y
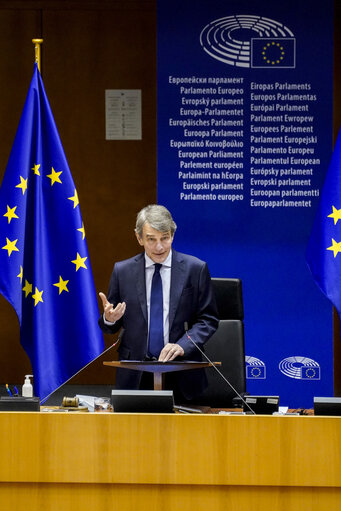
159, 369
100, 461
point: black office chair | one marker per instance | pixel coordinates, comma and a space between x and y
226, 346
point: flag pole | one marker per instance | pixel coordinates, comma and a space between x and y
37, 43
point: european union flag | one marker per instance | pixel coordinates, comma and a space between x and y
273, 52
45, 270
324, 247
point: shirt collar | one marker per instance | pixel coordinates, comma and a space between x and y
167, 262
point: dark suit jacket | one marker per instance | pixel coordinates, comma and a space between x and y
191, 301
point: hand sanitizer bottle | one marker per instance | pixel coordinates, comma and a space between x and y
27, 389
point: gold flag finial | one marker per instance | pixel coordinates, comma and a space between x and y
37, 43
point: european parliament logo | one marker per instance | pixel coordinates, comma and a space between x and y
300, 368
249, 41
255, 368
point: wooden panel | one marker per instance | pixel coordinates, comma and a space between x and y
17, 28
85, 53
108, 497
102, 50
88, 47
125, 461
170, 449
78, 4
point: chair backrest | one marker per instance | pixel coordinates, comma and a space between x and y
229, 298
226, 346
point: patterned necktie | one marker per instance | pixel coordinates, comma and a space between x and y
156, 342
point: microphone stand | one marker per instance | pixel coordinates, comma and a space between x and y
219, 372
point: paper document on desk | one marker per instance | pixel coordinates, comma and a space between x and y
88, 401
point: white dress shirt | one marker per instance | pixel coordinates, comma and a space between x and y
165, 272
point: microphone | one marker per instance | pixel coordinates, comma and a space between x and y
215, 367
117, 340
82, 369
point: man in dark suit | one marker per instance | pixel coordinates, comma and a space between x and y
186, 296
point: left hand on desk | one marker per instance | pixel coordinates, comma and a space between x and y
170, 352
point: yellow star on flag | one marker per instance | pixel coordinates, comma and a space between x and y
21, 274
10, 246
54, 176
35, 169
37, 297
336, 215
336, 247
11, 213
79, 262
22, 185
27, 288
74, 199
61, 285
82, 230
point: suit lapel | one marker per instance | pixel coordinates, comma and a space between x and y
177, 284
140, 280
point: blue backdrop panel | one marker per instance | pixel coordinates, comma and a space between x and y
244, 141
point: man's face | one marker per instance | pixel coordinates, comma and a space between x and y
157, 244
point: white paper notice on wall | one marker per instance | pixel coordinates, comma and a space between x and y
123, 114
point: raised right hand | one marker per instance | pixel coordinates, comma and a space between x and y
110, 313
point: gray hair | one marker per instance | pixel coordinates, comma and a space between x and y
158, 217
